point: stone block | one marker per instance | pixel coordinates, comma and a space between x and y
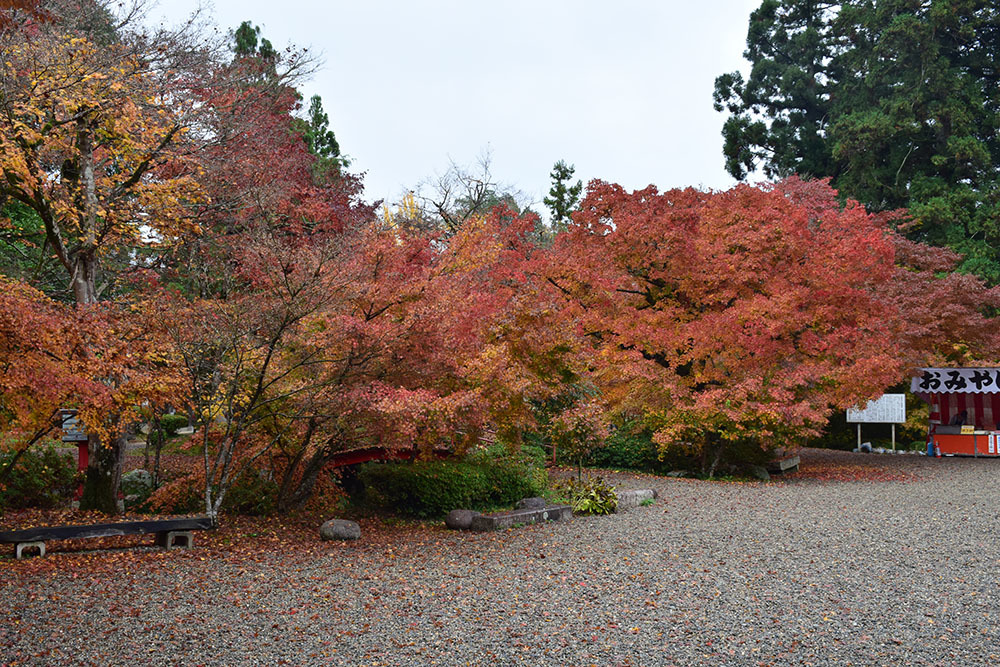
21, 546
634, 498
460, 519
535, 503
175, 538
501, 520
787, 464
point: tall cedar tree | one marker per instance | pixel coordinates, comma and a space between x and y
897, 102
563, 198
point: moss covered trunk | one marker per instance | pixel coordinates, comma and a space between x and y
104, 475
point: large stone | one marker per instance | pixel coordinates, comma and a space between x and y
634, 498
531, 503
460, 519
761, 473
514, 518
137, 481
340, 529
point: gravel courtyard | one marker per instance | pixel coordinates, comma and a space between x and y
878, 560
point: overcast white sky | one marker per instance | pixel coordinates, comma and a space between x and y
622, 90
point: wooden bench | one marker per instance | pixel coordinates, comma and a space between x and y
169, 532
783, 465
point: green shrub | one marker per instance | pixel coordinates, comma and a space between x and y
168, 427
631, 447
485, 479
627, 449
591, 495
42, 478
533, 455
172, 423
252, 494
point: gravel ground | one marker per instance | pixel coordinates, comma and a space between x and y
807, 570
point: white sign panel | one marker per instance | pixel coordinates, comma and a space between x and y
887, 409
72, 427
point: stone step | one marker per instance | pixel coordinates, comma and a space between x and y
501, 520
634, 497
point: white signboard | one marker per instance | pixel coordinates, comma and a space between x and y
72, 427
887, 409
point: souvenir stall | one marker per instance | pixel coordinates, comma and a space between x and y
964, 409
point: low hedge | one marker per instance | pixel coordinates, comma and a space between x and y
426, 489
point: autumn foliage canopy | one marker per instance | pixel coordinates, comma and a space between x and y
220, 270
747, 315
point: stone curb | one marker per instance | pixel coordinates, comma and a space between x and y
501, 520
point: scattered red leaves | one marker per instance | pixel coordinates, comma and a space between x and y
838, 466
285, 541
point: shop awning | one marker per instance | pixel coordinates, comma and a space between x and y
956, 381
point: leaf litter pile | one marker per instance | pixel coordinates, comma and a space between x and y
833, 568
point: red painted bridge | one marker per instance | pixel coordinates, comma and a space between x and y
353, 456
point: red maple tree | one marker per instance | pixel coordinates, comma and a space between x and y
732, 317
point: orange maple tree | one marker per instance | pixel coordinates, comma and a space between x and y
342, 332
36, 367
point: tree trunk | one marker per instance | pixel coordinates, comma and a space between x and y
104, 475
85, 278
285, 491
295, 497
716, 454
104, 471
156, 461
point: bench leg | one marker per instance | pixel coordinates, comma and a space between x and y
175, 538
21, 546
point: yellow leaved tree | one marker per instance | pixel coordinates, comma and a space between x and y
91, 141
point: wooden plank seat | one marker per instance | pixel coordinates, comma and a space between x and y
169, 532
783, 465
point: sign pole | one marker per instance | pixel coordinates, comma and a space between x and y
893, 437
73, 432
859, 435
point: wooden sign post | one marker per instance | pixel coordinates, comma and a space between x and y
73, 432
